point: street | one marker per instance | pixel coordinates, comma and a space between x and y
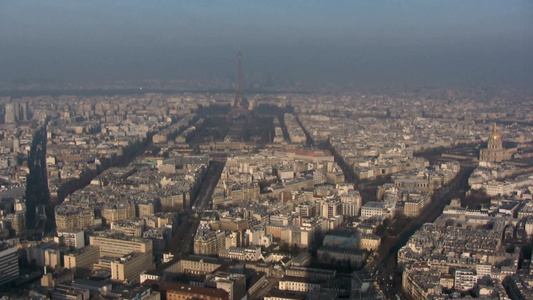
183, 238
385, 263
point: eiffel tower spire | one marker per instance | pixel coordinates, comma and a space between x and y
240, 105
240, 99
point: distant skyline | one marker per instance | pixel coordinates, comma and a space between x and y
355, 43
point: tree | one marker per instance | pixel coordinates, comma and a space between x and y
380, 230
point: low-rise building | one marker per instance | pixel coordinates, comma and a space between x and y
465, 279
234, 284
71, 238
373, 209
128, 268
242, 254
298, 284
81, 261
178, 291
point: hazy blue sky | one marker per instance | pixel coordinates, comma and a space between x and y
363, 42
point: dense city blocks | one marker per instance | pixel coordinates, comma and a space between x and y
165, 195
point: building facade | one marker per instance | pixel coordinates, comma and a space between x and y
495, 151
9, 265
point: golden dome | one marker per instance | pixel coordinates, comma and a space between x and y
495, 134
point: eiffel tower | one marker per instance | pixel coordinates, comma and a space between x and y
240, 105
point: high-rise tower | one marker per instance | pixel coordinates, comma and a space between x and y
240, 100
11, 116
240, 105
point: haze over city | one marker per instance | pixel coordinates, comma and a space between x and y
357, 44
275, 150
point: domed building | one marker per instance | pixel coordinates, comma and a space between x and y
495, 151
